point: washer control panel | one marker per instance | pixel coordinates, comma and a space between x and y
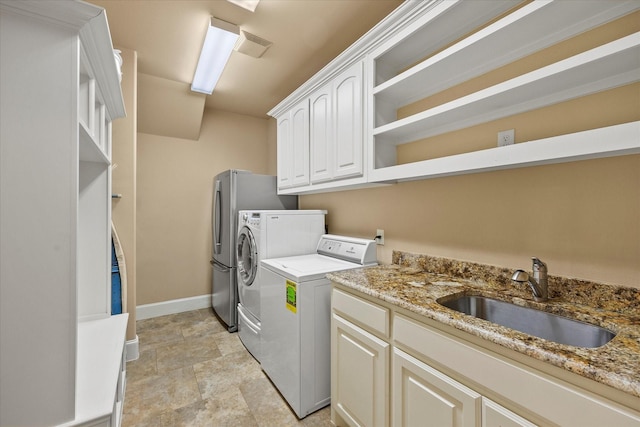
351, 249
250, 218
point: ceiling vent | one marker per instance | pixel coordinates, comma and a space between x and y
251, 45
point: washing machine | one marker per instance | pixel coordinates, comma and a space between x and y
268, 234
296, 318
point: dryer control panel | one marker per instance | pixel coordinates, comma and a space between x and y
351, 249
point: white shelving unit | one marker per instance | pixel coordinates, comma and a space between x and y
426, 47
498, 44
62, 353
611, 65
519, 33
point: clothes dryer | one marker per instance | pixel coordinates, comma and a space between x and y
268, 234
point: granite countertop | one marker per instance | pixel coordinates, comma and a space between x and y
415, 282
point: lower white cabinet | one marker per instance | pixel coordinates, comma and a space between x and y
359, 375
423, 395
391, 369
494, 415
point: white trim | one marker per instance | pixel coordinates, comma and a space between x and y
133, 349
147, 311
406, 12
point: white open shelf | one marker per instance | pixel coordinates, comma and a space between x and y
100, 378
437, 24
602, 142
500, 43
93, 115
90, 150
608, 66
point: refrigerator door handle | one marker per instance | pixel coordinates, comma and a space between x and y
217, 219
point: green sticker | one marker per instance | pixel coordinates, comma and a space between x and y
291, 291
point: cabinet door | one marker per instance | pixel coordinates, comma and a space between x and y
359, 375
494, 415
348, 140
321, 135
285, 151
300, 143
424, 396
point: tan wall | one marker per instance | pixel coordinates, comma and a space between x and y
272, 144
582, 218
175, 178
124, 181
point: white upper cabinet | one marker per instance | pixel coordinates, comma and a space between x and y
348, 111
285, 151
320, 139
336, 127
321, 125
300, 144
293, 147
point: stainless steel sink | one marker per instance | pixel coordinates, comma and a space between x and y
534, 322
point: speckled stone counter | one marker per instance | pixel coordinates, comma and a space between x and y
416, 282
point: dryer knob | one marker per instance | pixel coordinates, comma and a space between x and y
245, 217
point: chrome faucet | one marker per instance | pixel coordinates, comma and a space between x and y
539, 283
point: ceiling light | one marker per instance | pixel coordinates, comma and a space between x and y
218, 45
246, 4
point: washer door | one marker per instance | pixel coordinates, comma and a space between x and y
247, 257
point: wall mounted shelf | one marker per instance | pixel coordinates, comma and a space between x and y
611, 65
500, 43
602, 142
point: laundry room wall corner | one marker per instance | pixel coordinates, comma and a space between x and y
175, 182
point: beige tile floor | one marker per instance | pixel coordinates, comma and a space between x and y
192, 372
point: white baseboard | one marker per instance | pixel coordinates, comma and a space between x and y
147, 311
133, 349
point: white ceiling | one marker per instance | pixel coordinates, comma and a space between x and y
168, 35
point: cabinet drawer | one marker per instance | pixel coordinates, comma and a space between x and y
367, 315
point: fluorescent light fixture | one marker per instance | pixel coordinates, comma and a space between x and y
218, 45
246, 4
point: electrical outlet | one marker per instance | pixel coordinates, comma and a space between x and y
380, 237
506, 137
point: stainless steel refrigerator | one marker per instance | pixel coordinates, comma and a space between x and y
235, 190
